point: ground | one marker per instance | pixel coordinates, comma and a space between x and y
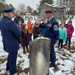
65, 61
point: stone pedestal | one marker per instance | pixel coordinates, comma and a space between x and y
39, 56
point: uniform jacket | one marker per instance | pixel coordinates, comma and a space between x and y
43, 28
52, 31
70, 30
10, 34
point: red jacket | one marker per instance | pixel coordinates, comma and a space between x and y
70, 30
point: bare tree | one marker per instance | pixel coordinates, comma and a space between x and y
70, 4
29, 9
22, 8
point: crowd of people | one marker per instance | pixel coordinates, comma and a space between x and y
16, 33
65, 34
39, 27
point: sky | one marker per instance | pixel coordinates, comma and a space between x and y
15, 3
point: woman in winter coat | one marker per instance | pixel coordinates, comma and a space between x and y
70, 30
24, 39
36, 30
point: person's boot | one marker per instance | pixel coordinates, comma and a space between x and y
27, 50
16, 73
56, 67
50, 65
69, 46
59, 48
65, 44
24, 51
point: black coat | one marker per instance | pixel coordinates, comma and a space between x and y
17, 19
36, 32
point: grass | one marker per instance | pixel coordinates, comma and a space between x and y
2, 60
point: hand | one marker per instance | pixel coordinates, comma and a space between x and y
56, 41
20, 45
39, 35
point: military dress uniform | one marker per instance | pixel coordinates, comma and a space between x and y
10, 35
53, 34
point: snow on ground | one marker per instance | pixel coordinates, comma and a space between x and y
65, 60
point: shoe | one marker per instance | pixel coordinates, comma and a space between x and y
69, 46
7, 69
50, 65
59, 49
27, 50
24, 52
64, 44
15, 72
56, 68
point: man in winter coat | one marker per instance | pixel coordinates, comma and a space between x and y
10, 35
18, 18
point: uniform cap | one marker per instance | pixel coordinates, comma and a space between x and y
48, 11
8, 9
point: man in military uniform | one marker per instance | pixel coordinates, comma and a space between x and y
53, 34
10, 35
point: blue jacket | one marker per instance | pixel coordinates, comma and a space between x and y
52, 31
10, 34
43, 28
63, 33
